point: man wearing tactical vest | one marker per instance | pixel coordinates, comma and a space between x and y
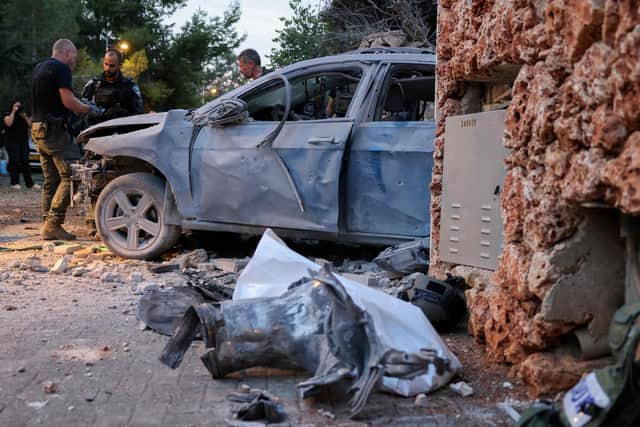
118, 95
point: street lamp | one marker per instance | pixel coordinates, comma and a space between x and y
214, 91
123, 46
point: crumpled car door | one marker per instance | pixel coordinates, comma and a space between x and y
293, 182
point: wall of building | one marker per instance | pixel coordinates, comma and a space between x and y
573, 128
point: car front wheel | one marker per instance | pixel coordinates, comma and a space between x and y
130, 219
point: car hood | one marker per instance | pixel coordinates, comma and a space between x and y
139, 121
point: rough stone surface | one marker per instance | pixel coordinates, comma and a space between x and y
548, 372
573, 128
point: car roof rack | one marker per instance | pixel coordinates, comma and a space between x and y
383, 49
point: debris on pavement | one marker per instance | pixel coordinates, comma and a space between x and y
61, 265
341, 330
462, 388
49, 387
327, 414
37, 404
230, 265
441, 301
259, 405
421, 401
162, 309
405, 258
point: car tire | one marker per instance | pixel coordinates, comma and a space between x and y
130, 219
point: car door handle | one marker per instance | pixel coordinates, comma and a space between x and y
315, 140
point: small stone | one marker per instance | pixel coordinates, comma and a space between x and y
15, 264
164, 268
104, 348
231, 265
146, 287
142, 326
79, 271
367, 279
10, 307
244, 388
88, 363
48, 247
206, 266
327, 414
71, 408
37, 404
49, 387
85, 252
507, 385
462, 388
61, 265
91, 395
21, 369
67, 249
421, 401
110, 277
136, 277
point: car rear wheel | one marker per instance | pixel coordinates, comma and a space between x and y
130, 219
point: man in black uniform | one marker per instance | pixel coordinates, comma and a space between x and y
53, 101
118, 95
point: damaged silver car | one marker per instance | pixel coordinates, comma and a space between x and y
335, 148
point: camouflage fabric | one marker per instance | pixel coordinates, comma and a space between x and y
57, 151
607, 396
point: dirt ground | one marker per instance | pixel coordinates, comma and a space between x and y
72, 352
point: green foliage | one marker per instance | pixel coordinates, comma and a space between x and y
191, 59
302, 36
28, 29
171, 69
135, 64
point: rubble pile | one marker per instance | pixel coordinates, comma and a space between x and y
573, 127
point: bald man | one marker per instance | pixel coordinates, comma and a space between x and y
53, 102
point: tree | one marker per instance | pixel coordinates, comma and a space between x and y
348, 21
28, 29
303, 36
194, 55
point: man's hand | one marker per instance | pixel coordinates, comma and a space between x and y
95, 112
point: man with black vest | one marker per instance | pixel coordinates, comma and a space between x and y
118, 95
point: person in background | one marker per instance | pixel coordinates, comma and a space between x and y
249, 64
16, 136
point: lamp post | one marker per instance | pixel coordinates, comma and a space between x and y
106, 36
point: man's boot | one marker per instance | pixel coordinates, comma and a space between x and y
52, 230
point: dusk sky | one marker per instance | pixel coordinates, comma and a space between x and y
259, 19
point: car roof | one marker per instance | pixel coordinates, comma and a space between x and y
379, 54
399, 54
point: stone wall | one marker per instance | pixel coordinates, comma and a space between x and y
573, 127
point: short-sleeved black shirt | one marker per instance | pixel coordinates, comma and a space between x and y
17, 133
48, 77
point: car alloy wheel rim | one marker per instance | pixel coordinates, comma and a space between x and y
132, 219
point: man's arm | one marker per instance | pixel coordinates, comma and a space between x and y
72, 103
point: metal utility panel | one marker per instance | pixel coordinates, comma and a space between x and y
473, 175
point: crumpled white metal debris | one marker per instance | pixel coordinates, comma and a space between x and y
400, 325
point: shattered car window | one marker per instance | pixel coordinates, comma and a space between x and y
409, 96
314, 97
